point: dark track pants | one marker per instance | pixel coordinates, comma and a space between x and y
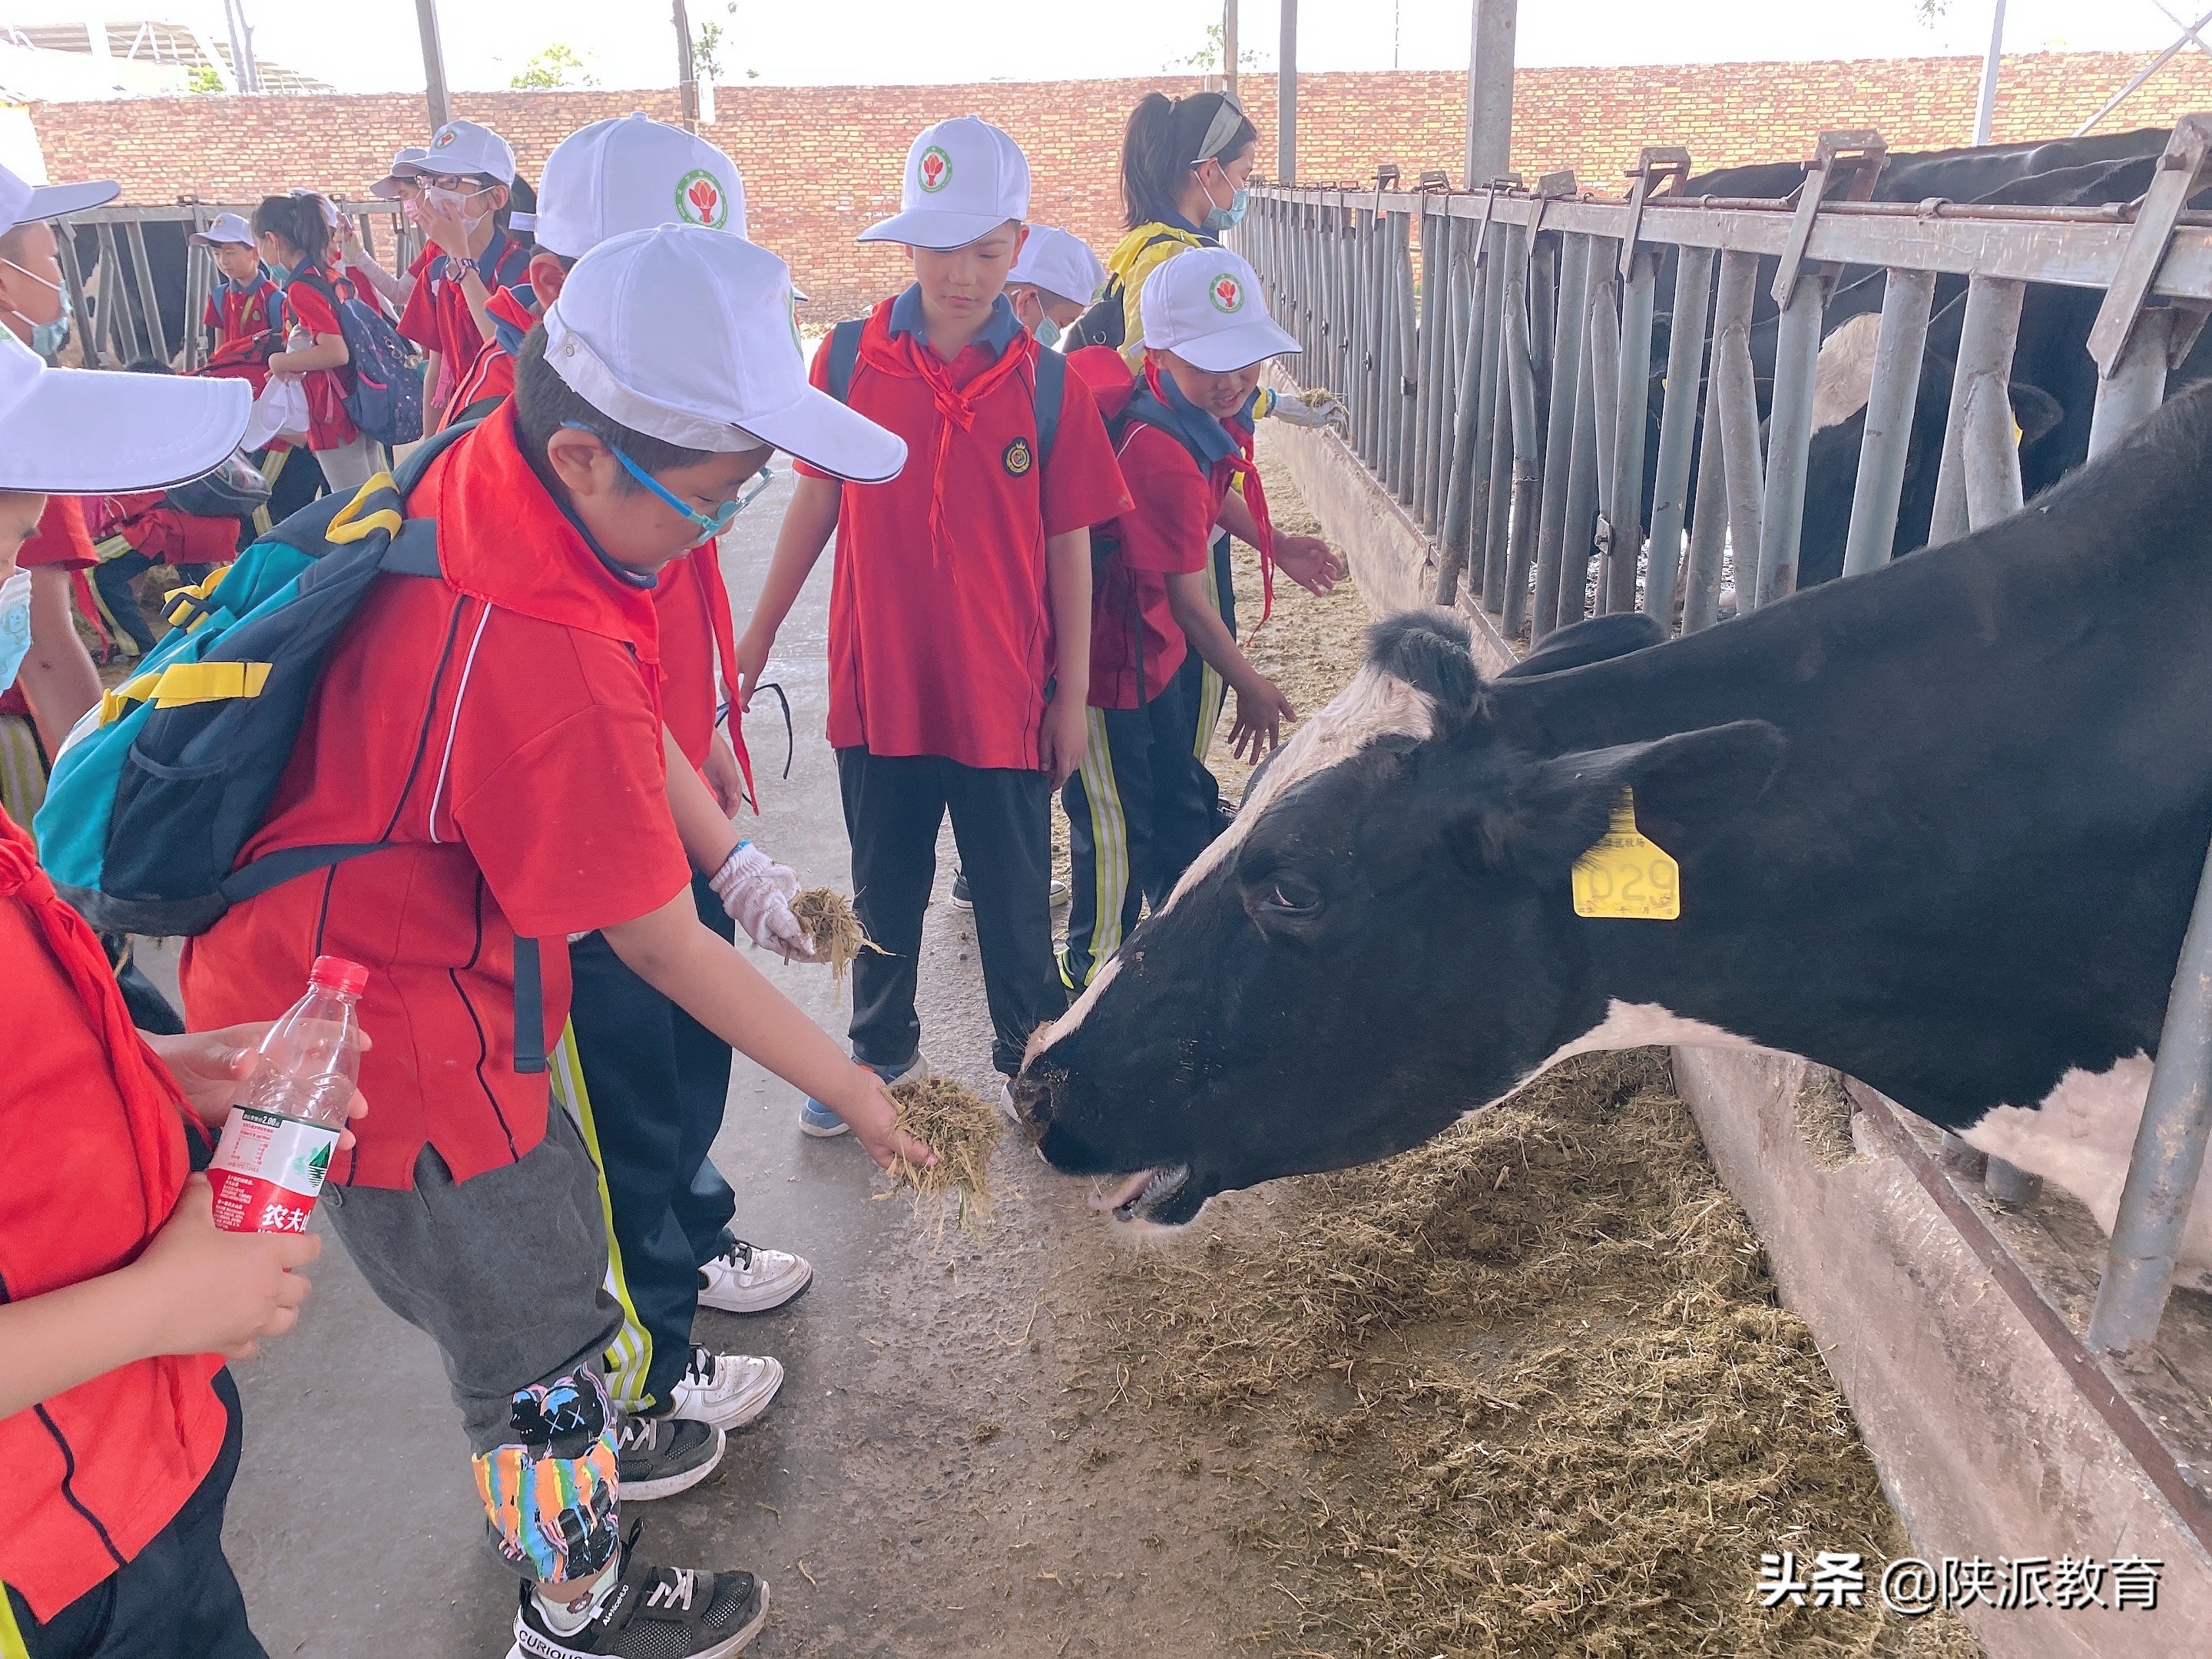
176, 1599
295, 478
648, 1084
1138, 813
1200, 688
1001, 822
112, 579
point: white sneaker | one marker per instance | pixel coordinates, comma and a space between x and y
727, 1390
747, 1279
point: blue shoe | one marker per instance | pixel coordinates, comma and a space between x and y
817, 1120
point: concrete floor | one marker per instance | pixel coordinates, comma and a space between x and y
926, 1483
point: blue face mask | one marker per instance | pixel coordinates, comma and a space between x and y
279, 274
14, 625
1047, 332
707, 524
47, 338
1224, 218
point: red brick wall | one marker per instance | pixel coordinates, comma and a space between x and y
821, 162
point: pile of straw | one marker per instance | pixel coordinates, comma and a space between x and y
961, 1128
832, 928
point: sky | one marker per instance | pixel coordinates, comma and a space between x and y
371, 45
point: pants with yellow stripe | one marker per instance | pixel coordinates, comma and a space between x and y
1137, 816
646, 1084
1199, 687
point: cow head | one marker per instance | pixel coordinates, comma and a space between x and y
1383, 939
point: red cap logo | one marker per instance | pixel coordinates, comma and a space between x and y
936, 167
1227, 294
700, 200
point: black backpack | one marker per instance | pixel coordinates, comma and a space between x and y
1107, 322
1051, 388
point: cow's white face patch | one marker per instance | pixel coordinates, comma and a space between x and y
2081, 1137
1047, 1036
1844, 377
1374, 705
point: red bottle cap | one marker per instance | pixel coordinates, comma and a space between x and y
336, 974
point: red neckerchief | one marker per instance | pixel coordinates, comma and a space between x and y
152, 1105
502, 539
707, 566
1240, 466
910, 357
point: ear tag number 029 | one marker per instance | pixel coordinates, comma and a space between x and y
1626, 876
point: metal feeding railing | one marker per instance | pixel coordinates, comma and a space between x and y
120, 264
1439, 315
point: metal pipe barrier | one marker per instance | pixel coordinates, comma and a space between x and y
1497, 352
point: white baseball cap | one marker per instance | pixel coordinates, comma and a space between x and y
1206, 306
78, 432
224, 228
20, 203
466, 147
632, 175
1060, 262
688, 335
404, 166
965, 178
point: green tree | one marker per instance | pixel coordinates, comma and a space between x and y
706, 46
202, 77
1206, 60
554, 67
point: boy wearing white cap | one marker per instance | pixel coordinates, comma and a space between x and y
58, 682
959, 622
1054, 282
501, 728
244, 302
1136, 817
647, 1082
118, 1423
467, 175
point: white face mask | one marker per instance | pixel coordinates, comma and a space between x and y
447, 199
14, 626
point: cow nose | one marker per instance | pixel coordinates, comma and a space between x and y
1036, 1097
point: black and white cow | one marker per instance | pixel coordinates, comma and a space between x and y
1939, 826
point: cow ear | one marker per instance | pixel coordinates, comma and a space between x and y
1433, 652
1596, 638
1686, 785
2034, 411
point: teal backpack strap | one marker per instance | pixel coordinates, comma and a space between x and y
844, 349
1051, 394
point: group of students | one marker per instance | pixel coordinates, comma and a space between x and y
1024, 576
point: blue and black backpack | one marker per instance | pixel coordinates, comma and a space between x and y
159, 788
386, 399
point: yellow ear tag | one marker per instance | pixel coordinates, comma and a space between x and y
1626, 876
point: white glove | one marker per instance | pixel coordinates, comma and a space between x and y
1294, 410
758, 891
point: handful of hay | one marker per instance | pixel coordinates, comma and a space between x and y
832, 929
1314, 396
961, 1127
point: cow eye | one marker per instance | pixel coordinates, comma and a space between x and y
1291, 895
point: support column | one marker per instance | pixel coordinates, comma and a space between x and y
1286, 97
1490, 89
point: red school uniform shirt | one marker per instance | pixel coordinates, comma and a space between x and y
61, 543
501, 726
92, 1135
940, 626
437, 317
238, 311
307, 305
490, 375
166, 534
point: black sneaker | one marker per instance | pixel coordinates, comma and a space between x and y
962, 898
660, 1456
655, 1613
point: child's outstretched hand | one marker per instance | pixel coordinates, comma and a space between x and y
210, 1292
1262, 708
1310, 562
874, 1115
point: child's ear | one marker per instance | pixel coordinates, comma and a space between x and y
546, 278
576, 457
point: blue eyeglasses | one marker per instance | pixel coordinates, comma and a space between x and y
707, 524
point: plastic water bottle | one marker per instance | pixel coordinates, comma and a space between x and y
276, 1146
